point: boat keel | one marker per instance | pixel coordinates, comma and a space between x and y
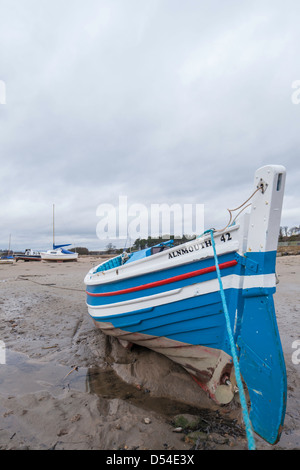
262, 365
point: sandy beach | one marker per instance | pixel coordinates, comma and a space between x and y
65, 385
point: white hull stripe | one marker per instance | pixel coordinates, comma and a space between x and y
232, 281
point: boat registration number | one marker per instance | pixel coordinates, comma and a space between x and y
198, 246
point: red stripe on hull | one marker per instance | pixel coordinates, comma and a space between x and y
163, 282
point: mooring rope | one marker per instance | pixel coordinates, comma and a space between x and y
248, 427
21, 278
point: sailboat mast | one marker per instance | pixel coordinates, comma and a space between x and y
53, 229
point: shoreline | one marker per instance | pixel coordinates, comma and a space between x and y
88, 392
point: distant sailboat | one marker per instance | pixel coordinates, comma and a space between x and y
58, 253
8, 258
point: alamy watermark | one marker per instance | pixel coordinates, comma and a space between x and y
296, 354
2, 353
296, 94
2, 92
140, 221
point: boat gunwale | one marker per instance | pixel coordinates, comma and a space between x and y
94, 277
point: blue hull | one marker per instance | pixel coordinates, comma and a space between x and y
200, 321
172, 303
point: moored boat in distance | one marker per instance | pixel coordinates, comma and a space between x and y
28, 255
171, 299
6, 260
8, 257
59, 254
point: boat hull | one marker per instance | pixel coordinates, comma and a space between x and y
28, 258
181, 316
211, 368
171, 303
59, 257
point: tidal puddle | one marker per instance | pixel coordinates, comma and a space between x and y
21, 375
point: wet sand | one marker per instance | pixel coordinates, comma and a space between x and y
65, 385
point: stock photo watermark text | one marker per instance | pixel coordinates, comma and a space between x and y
2, 353
296, 94
140, 221
2, 92
296, 353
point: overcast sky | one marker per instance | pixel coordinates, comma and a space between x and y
158, 101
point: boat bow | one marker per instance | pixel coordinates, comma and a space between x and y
261, 357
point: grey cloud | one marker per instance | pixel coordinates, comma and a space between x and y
160, 101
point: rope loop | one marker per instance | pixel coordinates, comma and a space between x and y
242, 207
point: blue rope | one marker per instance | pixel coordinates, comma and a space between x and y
249, 433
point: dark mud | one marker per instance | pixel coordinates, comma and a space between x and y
65, 385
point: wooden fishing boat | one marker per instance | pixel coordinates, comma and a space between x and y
169, 299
